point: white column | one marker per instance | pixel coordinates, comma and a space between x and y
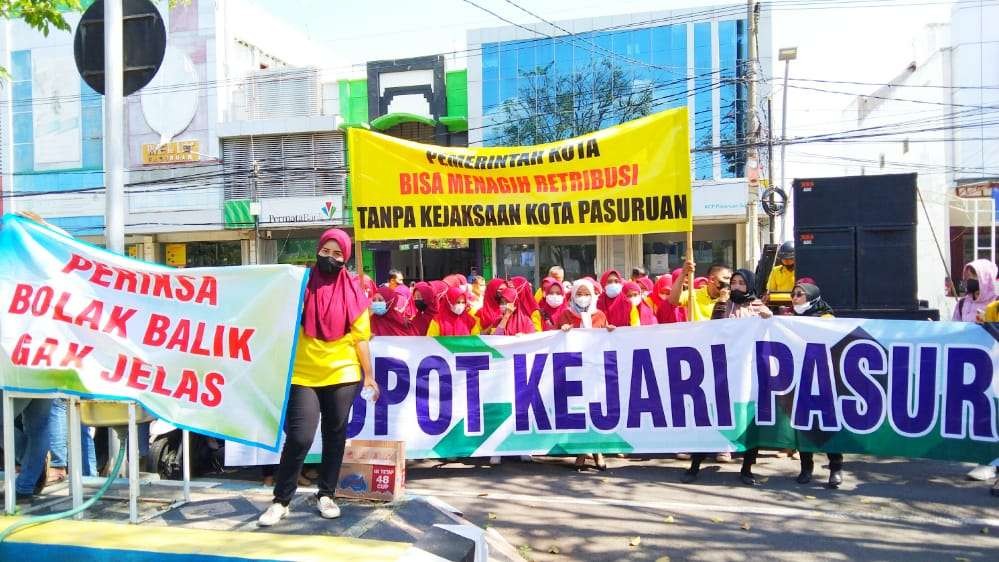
114, 106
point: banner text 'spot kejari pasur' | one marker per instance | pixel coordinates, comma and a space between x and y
633, 178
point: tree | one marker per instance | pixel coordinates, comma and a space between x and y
553, 106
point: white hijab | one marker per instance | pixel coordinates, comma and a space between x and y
585, 316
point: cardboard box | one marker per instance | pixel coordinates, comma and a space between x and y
373, 470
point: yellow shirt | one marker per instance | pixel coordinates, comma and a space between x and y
324, 363
704, 305
781, 280
991, 312
434, 329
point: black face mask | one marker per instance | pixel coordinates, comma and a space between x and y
971, 286
420, 305
722, 285
738, 297
328, 265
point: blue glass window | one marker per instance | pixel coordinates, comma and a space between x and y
508, 60
703, 110
490, 62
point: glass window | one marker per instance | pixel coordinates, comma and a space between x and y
490, 61
576, 254
508, 89
663, 253
545, 53
215, 254
526, 57
730, 108
703, 106
490, 95
508, 60
516, 257
563, 55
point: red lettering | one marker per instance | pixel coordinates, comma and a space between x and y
60, 309
217, 341
43, 298
212, 396
156, 330
77, 263
162, 288
125, 280
158, 381
208, 292
76, 354
118, 320
22, 299
119, 370
181, 335
188, 386
43, 355
137, 373
186, 291
101, 272
21, 351
91, 316
239, 343
199, 336
405, 184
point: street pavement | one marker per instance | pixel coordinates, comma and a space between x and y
887, 509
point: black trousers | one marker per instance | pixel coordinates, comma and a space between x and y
748, 460
307, 408
808, 462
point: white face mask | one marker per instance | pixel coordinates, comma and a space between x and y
635, 300
613, 290
583, 303
458, 308
802, 308
555, 300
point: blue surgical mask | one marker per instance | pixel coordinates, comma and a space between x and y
379, 308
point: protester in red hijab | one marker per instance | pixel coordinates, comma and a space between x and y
404, 304
610, 282
332, 362
631, 309
454, 317
679, 312
552, 303
367, 285
387, 320
520, 314
455, 280
425, 302
489, 315
647, 285
665, 313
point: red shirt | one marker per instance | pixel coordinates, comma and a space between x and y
597, 319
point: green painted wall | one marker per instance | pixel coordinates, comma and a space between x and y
456, 82
354, 101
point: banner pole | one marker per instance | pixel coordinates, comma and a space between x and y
690, 277
359, 260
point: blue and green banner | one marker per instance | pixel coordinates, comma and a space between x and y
897, 388
207, 349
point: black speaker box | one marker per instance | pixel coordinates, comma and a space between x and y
828, 256
855, 201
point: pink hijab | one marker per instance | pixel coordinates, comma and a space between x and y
967, 308
332, 301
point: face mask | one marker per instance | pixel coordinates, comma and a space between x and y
613, 290
458, 309
802, 308
555, 301
972, 286
328, 264
635, 300
721, 285
739, 297
583, 303
420, 305
379, 307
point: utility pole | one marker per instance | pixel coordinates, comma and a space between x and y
114, 107
752, 131
770, 166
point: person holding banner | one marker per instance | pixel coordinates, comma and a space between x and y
553, 304
387, 319
806, 300
706, 296
610, 281
331, 364
631, 309
490, 313
582, 312
453, 316
520, 311
738, 302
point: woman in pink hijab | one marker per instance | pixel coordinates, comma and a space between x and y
980, 290
332, 363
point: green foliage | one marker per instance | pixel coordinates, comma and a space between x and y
42, 15
552, 106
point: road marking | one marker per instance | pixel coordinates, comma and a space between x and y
674, 507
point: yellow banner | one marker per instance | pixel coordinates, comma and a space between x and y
633, 178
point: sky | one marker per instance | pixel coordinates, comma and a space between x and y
851, 40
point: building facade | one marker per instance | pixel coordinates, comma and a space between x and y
52, 132
519, 82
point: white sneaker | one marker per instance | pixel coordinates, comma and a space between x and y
982, 473
328, 508
274, 513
